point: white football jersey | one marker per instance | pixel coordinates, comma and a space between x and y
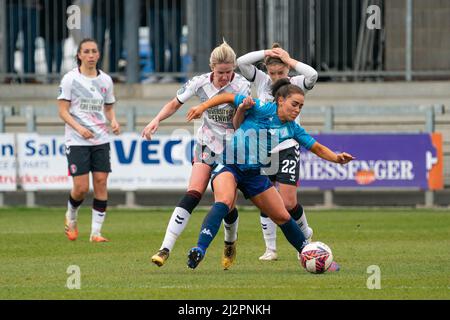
87, 97
217, 122
263, 85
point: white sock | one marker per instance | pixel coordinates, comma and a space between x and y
269, 229
303, 224
97, 221
230, 231
72, 212
178, 222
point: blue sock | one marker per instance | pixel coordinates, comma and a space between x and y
211, 224
293, 234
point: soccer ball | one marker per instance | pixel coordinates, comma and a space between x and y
316, 257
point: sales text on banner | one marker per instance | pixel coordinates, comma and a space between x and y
8, 172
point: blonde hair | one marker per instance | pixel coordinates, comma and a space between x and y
222, 54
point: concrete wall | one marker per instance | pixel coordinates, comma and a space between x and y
431, 28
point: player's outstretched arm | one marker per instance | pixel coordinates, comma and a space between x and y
167, 111
325, 153
197, 111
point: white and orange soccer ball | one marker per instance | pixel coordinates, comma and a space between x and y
316, 257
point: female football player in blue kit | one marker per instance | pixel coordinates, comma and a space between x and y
277, 119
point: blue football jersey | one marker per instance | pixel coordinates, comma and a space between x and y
260, 132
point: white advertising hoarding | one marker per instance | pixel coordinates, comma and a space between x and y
42, 162
8, 172
162, 163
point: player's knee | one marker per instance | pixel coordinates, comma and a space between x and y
280, 217
226, 200
80, 191
290, 204
100, 181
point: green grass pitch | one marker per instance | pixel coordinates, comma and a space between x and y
410, 246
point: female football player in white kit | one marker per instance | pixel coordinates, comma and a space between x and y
278, 63
216, 124
85, 102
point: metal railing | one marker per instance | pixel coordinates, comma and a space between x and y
170, 40
428, 114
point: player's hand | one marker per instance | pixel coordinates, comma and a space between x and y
150, 129
86, 133
271, 53
344, 158
248, 103
115, 126
195, 112
282, 54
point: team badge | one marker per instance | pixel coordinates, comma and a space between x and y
73, 168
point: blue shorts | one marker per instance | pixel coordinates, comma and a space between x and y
250, 182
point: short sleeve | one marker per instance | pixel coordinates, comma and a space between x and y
238, 99
188, 90
65, 88
302, 137
110, 98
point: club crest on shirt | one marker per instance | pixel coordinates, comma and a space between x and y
205, 155
182, 90
284, 132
